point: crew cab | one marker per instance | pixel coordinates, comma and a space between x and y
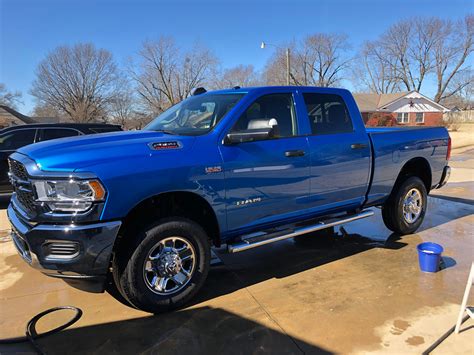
242, 167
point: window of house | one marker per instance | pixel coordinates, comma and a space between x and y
327, 113
420, 117
277, 106
402, 117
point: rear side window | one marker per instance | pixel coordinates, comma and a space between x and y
17, 139
327, 113
54, 133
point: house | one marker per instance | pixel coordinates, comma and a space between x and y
408, 108
10, 117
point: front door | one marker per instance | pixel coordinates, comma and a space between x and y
266, 180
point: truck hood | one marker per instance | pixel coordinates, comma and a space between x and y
69, 154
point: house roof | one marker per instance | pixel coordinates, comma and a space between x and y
375, 102
371, 102
18, 115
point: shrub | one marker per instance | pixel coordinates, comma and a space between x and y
452, 121
380, 119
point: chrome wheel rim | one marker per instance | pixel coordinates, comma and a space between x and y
169, 265
412, 206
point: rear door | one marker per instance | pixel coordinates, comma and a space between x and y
340, 151
266, 180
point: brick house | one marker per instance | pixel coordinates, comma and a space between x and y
408, 108
10, 117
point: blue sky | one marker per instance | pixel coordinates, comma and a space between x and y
232, 29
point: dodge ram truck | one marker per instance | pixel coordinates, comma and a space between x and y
241, 167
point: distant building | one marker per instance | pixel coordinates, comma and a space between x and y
10, 117
408, 108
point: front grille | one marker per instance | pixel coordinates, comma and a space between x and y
22, 186
27, 199
18, 169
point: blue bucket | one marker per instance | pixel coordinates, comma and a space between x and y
429, 256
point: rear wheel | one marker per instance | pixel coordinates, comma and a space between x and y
405, 210
167, 267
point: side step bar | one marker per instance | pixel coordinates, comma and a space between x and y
253, 242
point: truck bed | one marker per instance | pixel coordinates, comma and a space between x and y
393, 147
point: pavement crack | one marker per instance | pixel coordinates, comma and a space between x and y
269, 315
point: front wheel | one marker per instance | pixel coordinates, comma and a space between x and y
168, 266
405, 210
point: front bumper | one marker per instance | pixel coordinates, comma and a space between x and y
445, 177
79, 254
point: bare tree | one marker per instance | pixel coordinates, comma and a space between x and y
319, 60
373, 71
42, 109
452, 49
241, 75
165, 75
323, 59
9, 98
79, 81
407, 48
122, 108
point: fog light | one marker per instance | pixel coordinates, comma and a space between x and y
61, 249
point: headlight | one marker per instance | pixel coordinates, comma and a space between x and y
69, 195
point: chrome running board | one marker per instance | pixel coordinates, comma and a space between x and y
258, 239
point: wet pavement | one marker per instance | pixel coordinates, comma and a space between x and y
358, 292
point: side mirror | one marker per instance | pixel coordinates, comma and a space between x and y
249, 135
257, 129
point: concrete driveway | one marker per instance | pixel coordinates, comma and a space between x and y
359, 292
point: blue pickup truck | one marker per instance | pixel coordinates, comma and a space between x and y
242, 167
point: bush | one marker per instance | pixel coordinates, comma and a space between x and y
381, 120
452, 121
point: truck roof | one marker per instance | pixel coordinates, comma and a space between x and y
239, 89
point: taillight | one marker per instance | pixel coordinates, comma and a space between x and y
448, 153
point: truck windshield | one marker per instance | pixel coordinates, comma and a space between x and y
196, 115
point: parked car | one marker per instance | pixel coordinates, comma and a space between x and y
242, 167
13, 138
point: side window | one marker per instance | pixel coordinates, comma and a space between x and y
277, 106
327, 113
54, 133
17, 139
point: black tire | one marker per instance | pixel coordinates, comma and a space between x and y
393, 210
129, 265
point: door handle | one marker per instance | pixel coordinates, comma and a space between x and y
294, 153
359, 146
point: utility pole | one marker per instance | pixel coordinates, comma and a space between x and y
288, 66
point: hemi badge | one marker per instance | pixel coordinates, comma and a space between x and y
213, 169
165, 145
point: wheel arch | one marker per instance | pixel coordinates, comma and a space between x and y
419, 167
172, 204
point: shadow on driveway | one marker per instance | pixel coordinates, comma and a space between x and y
203, 330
